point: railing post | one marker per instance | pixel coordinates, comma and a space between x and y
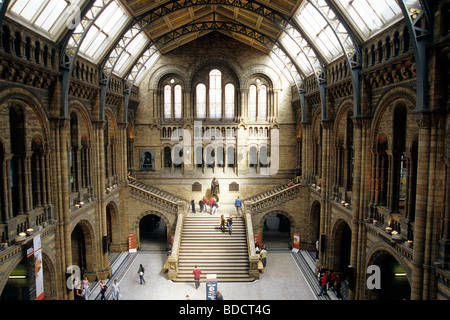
252, 257
173, 258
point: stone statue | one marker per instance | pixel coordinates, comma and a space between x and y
215, 189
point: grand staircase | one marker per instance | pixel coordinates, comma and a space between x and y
213, 251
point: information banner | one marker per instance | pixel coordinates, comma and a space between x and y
296, 242
132, 247
211, 286
35, 273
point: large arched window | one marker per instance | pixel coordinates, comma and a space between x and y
201, 100
229, 101
258, 99
172, 98
215, 94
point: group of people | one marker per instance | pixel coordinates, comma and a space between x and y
83, 289
212, 203
329, 281
226, 223
262, 253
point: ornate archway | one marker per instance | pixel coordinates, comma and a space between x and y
276, 229
152, 230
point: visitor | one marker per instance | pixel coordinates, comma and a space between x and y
197, 272
263, 255
193, 206
337, 286
219, 296
230, 224
115, 290
200, 204
323, 284
103, 288
238, 205
222, 223
141, 271
86, 288
215, 207
211, 204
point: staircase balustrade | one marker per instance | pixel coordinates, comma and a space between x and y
273, 198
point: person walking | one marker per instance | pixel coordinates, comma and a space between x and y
238, 205
200, 204
211, 204
197, 272
86, 288
103, 288
323, 286
193, 206
222, 223
337, 286
230, 224
115, 290
141, 272
263, 255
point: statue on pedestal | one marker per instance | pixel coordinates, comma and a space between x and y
215, 189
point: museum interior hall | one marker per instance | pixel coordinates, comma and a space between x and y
319, 130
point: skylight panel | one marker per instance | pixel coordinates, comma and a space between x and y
49, 17
104, 31
319, 31
130, 53
370, 16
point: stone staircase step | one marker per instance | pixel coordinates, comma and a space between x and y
213, 251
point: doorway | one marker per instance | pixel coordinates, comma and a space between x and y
152, 233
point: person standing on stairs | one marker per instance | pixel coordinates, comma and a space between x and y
222, 223
197, 272
238, 205
230, 224
193, 206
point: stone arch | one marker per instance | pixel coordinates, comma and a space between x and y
389, 101
379, 253
112, 226
164, 71
293, 225
268, 72
340, 246
137, 220
315, 220
90, 253
50, 277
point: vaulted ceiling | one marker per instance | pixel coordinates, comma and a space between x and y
126, 37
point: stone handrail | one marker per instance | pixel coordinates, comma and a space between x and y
273, 199
252, 257
173, 258
162, 200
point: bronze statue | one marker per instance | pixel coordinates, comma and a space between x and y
215, 189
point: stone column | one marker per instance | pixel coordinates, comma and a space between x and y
421, 208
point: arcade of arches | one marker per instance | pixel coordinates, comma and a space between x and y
89, 156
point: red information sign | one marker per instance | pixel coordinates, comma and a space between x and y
132, 242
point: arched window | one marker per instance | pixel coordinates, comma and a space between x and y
262, 103
167, 102
215, 94
258, 99
229, 101
178, 106
252, 102
201, 100
172, 98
